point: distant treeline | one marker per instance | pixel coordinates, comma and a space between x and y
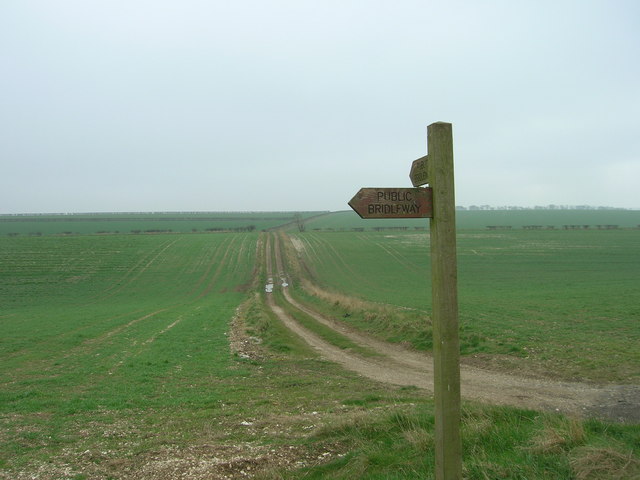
374, 229
538, 207
488, 227
553, 227
62, 224
248, 228
74, 218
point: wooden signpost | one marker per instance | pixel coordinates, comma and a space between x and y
437, 171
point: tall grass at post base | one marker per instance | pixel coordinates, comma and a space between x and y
499, 443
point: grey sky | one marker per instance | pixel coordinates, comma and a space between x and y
169, 105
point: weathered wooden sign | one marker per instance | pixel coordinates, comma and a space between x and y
418, 174
437, 171
393, 203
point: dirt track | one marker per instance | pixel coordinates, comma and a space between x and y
400, 366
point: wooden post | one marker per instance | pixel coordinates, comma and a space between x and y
438, 203
446, 344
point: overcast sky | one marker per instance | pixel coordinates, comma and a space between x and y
205, 105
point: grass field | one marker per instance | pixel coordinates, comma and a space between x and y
481, 219
73, 224
188, 222
565, 301
113, 323
116, 360
96, 324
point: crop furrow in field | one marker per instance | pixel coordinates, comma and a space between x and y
203, 259
234, 261
92, 354
346, 269
322, 248
240, 253
146, 266
163, 331
40, 349
221, 266
85, 334
121, 328
245, 260
312, 242
305, 247
134, 273
211, 261
393, 253
122, 356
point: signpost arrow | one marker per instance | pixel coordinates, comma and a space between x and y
392, 203
418, 173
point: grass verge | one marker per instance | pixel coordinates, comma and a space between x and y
498, 443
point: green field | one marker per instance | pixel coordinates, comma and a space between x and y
481, 219
152, 222
564, 302
115, 353
95, 323
188, 222
116, 359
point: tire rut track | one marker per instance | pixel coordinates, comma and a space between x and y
132, 274
392, 252
205, 283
